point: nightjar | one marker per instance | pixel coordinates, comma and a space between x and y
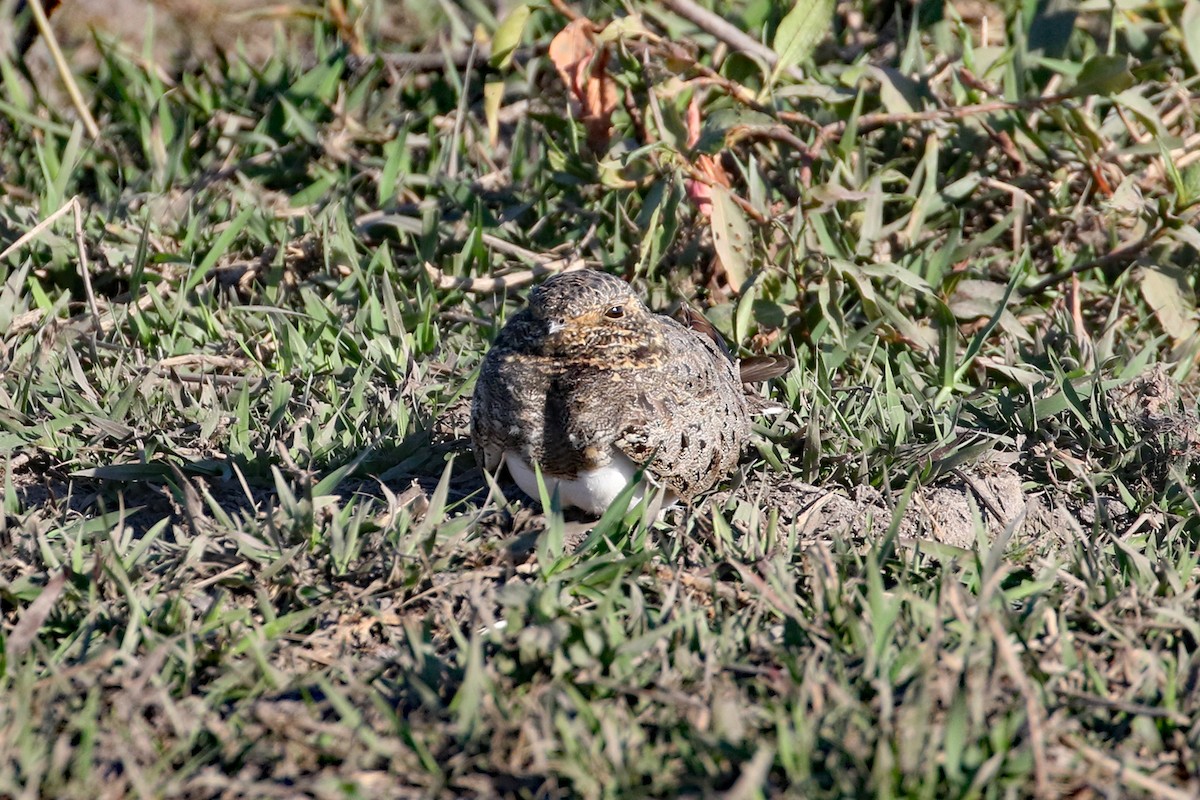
590, 385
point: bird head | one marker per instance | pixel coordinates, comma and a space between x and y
591, 315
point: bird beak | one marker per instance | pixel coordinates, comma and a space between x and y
554, 326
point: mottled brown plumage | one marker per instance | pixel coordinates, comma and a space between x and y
589, 384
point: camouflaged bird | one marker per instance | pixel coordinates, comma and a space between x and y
590, 385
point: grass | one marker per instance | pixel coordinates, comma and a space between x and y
245, 549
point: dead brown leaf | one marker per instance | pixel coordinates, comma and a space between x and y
35, 615
584, 69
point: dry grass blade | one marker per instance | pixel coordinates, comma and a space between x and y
1034, 711
33, 232
64, 69
84, 272
1128, 775
34, 616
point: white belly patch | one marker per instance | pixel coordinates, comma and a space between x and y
592, 490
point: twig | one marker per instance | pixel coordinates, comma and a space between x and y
474, 575
1127, 253
730, 34
241, 566
217, 379
655, 49
754, 775
435, 62
30, 319
870, 122
64, 71
1126, 774
18, 461
564, 9
204, 361
1016, 191
984, 495
1125, 707
513, 280
414, 226
417, 62
345, 27
701, 583
510, 249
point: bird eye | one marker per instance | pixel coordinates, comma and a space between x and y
616, 312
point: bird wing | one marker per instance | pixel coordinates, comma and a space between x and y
497, 419
754, 369
683, 422
697, 322
649, 444
487, 432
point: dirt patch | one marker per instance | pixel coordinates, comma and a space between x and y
951, 512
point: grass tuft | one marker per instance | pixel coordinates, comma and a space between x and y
244, 549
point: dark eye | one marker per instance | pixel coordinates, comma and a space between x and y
616, 312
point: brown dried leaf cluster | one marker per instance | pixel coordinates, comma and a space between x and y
583, 67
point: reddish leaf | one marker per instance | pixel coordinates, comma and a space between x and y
584, 70
693, 122
599, 103
700, 191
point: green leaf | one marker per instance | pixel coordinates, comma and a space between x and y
981, 336
10, 502
899, 93
219, 248
493, 93
1189, 25
1104, 75
468, 700
297, 122
799, 32
394, 153
125, 472
731, 236
330, 482
1173, 174
1143, 108
508, 36
743, 316
872, 218
1167, 293
725, 125
1189, 180
659, 219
